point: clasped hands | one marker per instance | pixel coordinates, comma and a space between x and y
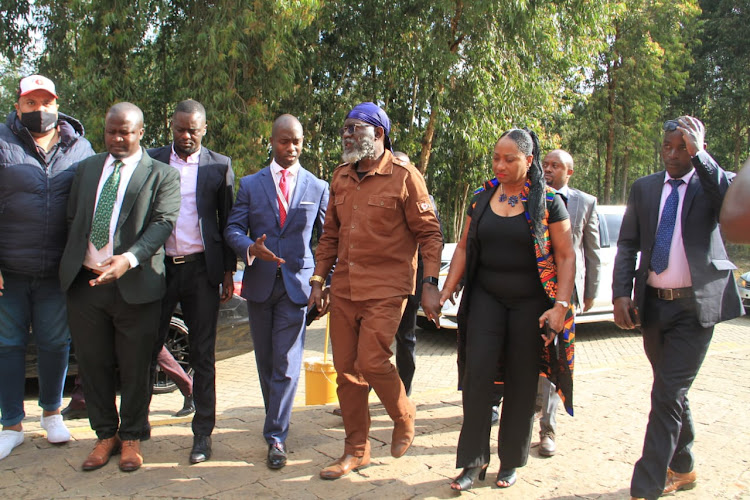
117, 265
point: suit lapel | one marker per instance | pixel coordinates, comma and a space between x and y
94, 175
690, 192
299, 191
266, 180
574, 208
203, 171
140, 174
652, 202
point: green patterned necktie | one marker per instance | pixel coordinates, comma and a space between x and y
103, 213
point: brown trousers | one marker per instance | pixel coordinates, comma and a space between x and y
361, 336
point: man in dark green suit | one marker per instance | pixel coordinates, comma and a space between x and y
121, 209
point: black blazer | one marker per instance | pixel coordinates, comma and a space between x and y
215, 196
716, 295
149, 210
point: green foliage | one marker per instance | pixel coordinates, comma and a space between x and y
718, 89
452, 75
644, 66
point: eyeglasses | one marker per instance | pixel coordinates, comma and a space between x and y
670, 125
352, 127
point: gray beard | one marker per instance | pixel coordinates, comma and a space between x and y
365, 150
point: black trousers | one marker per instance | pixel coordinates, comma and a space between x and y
188, 284
506, 330
406, 343
109, 333
675, 345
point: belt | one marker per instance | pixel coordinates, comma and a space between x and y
183, 259
98, 272
671, 293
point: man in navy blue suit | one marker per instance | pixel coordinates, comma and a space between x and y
271, 228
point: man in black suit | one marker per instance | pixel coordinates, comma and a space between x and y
199, 264
121, 209
683, 287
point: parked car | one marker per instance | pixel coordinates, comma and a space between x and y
744, 284
232, 338
449, 316
610, 220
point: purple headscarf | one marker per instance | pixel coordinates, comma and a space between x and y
369, 112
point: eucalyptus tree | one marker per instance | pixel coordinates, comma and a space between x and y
718, 90
645, 64
451, 75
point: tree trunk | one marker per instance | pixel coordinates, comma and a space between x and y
737, 145
625, 167
610, 151
429, 134
611, 91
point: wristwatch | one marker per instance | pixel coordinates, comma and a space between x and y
563, 303
317, 279
431, 280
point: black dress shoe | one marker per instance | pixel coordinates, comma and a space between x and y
276, 455
187, 408
71, 413
201, 449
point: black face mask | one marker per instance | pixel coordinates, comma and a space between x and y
39, 121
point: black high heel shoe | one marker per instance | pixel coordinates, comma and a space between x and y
466, 479
508, 476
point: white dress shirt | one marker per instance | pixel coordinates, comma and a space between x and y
186, 236
93, 256
677, 273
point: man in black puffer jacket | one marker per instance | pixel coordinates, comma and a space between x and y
39, 148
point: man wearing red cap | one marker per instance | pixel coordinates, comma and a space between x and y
379, 211
39, 148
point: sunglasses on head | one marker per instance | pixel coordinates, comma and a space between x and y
670, 125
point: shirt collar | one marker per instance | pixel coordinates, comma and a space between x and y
128, 161
276, 168
685, 178
565, 191
193, 159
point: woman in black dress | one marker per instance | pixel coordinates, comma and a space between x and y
516, 255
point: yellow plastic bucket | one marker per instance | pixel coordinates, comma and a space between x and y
320, 382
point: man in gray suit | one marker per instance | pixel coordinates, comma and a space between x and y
584, 223
683, 287
121, 209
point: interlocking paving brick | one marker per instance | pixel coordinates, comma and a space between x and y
596, 448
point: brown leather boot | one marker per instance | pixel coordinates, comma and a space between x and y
344, 466
103, 449
403, 433
679, 481
131, 458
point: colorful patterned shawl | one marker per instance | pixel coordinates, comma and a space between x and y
557, 361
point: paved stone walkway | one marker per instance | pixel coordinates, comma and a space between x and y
596, 448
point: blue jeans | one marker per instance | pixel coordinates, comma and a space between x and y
39, 303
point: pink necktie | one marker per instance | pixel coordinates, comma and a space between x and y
285, 191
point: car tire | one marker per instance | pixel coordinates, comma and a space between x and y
179, 346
